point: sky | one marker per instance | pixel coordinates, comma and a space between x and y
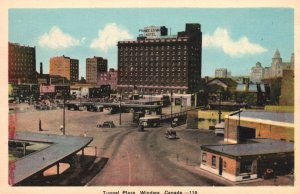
232, 38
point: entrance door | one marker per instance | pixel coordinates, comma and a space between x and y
220, 166
245, 133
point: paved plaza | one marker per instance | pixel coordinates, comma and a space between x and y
133, 158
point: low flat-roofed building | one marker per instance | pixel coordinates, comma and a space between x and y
259, 124
239, 162
55, 149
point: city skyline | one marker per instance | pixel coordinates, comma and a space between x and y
227, 33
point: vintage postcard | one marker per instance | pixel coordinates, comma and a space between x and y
137, 98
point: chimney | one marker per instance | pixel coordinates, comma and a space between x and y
41, 68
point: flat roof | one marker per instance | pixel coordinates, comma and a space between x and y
286, 117
60, 147
115, 104
256, 147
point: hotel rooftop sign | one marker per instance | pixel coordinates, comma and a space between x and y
151, 32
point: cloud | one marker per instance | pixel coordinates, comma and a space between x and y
109, 36
57, 39
221, 39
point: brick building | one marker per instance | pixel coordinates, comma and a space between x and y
65, 67
108, 78
240, 162
95, 66
158, 63
257, 141
21, 64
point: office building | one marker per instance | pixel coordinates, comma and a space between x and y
21, 64
95, 66
221, 73
65, 67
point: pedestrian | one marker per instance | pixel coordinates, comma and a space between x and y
40, 125
61, 128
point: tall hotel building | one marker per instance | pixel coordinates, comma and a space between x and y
95, 66
159, 63
21, 64
65, 67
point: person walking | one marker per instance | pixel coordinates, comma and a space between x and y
40, 125
61, 128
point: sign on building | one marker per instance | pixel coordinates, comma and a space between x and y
151, 31
47, 89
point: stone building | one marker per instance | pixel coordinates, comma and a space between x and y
257, 73
277, 66
221, 73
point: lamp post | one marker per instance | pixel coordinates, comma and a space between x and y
220, 96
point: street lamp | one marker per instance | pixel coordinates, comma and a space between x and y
220, 96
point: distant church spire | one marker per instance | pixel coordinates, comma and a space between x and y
276, 54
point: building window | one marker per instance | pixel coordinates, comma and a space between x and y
224, 165
245, 167
213, 161
204, 157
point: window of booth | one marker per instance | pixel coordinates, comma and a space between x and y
245, 166
213, 161
224, 165
204, 157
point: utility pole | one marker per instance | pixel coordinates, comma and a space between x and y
180, 103
220, 113
120, 110
171, 107
64, 116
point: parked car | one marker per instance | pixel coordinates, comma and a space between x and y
41, 107
95, 108
171, 134
268, 174
107, 124
175, 122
